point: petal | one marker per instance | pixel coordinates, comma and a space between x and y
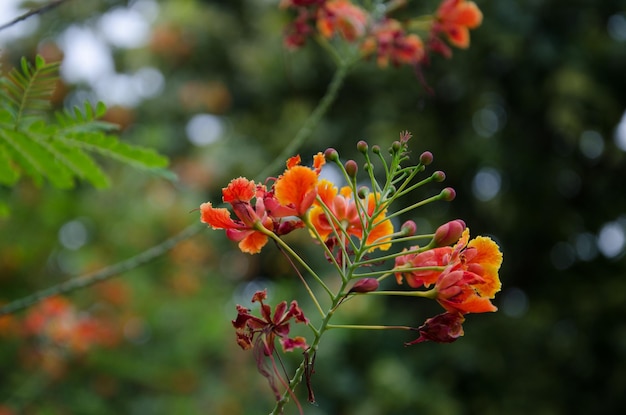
296, 342
239, 190
295, 186
468, 14
217, 218
253, 243
318, 161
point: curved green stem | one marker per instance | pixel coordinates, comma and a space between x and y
103, 274
309, 125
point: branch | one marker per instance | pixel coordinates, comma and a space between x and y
103, 274
39, 10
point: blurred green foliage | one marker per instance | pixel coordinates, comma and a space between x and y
533, 105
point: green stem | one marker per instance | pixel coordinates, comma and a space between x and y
104, 273
424, 294
309, 125
297, 377
367, 327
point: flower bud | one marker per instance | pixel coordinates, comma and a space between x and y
376, 149
408, 228
449, 233
362, 192
351, 168
364, 285
331, 154
395, 147
426, 158
439, 176
362, 146
448, 194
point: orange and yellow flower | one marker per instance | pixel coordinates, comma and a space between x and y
391, 43
455, 18
341, 16
346, 219
246, 228
296, 188
468, 278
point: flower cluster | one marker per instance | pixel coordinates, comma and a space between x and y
386, 38
465, 278
273, 211
57, 323
352, 224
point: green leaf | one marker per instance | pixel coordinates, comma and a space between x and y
60, 151
110, 146
36, 161
8, 174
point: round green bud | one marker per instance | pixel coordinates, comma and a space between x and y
351, 168
362, 146
426, 158
439, 176
331, 154
448, 194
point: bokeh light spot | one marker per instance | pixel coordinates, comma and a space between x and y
73, 234
616, 26
620, 133
204, 129
514, 302
591, 144
611, 239
486, 184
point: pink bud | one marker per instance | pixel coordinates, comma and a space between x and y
331, 154
449, 233
409, 228
365, 285
448, 194
426, 158
351, 168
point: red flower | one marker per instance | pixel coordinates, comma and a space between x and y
443, 328
455, 18
245, 230
467, 278
392, 44
296, 188
341, 16
268, 327
345, 219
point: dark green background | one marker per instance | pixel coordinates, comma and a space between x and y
548, 71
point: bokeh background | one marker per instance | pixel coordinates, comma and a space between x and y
529, 125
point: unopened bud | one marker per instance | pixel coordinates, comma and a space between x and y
365, 285
426, 158
331, 154
408, 228
363, 191
395, 147
351, 168
362, 146
439, 176
449, 233
376, 149
448, 194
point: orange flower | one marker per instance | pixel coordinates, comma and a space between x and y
297, 187
391, 43
343, 17
345, 218
469, 276
57, 321
239, 193
455, 18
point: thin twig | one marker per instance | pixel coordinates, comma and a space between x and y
104, 273
32, 12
